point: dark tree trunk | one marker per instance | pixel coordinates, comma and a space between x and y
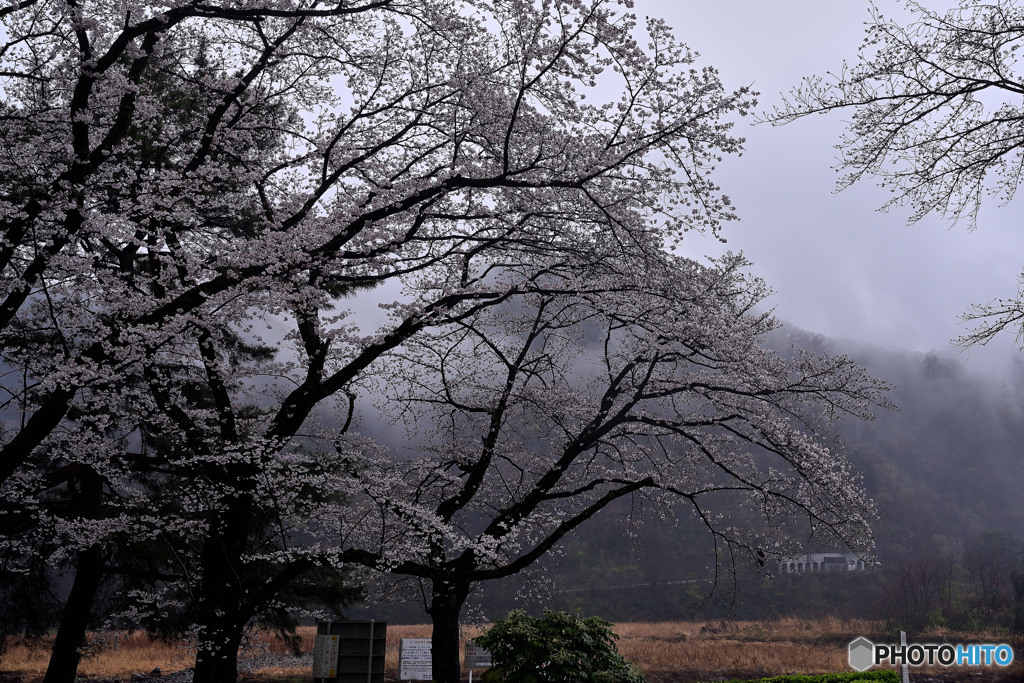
221, 616
87, 497
218, 615
217, 655
64, 658
446, 604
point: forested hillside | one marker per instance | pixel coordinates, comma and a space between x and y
948, 465
945, 471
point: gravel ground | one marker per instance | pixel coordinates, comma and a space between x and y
961, 676
245, 666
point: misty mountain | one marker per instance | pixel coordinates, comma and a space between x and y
945, 471
948, 464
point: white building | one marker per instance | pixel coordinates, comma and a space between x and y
821, 562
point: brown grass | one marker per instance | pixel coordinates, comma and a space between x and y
130, 653
673, 651
751, 647
666, 651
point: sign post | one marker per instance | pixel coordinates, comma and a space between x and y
414, 659
903, 641
349, 651
476, 658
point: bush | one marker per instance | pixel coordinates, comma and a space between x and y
876, 676
559, 646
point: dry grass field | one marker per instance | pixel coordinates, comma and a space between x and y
669, 652
120, 658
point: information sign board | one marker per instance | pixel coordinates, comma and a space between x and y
325, 656
476, 656
414, 659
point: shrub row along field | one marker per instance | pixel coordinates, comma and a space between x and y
665, 651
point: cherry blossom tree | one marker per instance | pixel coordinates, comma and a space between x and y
193, 193
650, 384
936, 117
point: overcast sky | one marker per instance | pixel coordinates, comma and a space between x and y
837, 265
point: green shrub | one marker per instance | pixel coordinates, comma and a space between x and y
556, 647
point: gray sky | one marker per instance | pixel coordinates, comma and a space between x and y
837, 265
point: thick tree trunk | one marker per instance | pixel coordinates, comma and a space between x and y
217, 654
64, 657
219, 617
87, 498
445, 606
222, 610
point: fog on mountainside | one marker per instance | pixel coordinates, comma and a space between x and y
947, 465
945, 471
